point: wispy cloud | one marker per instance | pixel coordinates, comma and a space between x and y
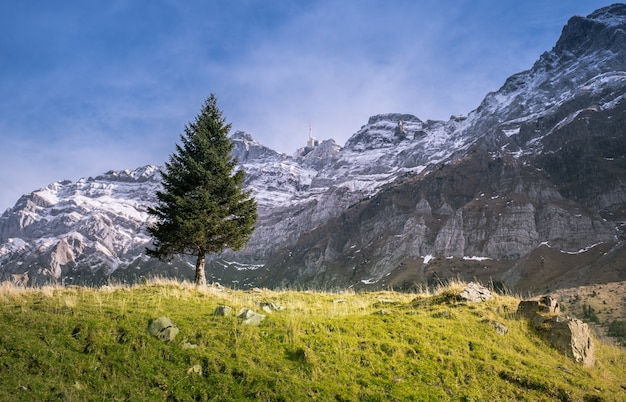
92, 86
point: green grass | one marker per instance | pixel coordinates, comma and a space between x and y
76, 344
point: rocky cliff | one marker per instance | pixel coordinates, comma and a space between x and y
527, 190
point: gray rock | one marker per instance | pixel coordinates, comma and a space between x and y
269, 307
163, 328
250, 317
545, 305
223, 311
501, 329
245, 313
474, 292
255, 319
572, 337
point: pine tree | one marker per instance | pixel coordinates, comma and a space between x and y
203, 207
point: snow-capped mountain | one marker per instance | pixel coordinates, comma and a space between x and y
95, 224
528, 189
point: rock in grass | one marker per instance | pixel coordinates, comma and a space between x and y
195, 369
163, 328
530, 308
188, 345
250, 317
501, 329
570, 336
223, 311
269, 307
474, 292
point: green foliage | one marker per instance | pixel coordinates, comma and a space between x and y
203, 207
617, 329
589, 314
90, 344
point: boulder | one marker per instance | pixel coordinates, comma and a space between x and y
269, 307
545, 305
474, 292
250, 317
163, 328
223, 311
572, 337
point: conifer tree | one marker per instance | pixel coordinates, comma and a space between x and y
203, 207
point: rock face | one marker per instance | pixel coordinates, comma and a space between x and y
528, 191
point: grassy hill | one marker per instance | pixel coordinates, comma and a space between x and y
76, 344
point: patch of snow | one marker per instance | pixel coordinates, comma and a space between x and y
243, 267
582, 250
475, 258
511, 132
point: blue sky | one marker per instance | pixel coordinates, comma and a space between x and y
89, 85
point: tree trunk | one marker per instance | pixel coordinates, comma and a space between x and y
200, 276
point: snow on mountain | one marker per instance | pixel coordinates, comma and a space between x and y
587, 63
275, 178
97, 222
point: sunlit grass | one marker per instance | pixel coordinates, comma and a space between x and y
91, 344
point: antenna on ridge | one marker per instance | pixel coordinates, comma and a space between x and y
312, 142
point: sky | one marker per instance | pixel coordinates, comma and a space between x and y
88, 86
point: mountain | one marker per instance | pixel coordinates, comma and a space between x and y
528, 191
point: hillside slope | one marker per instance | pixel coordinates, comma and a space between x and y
92, 344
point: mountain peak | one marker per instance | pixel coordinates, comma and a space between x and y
614, 14
140, 174
247, 148
242, 135
601, 30
393, 117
